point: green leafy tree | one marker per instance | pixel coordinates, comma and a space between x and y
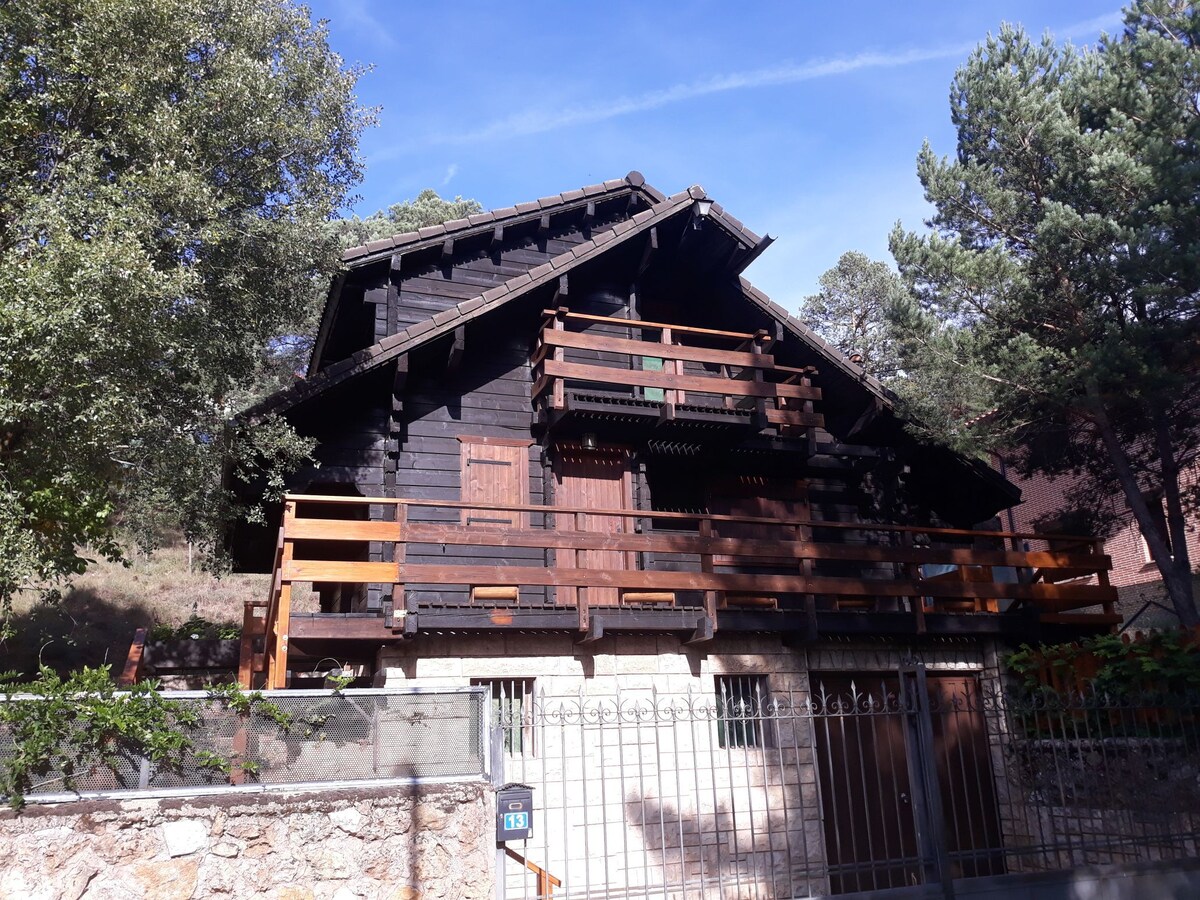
290, 352
169, 167
427, 209
1055, 305
851, 311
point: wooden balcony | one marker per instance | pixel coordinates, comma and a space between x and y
655, 373
689, 574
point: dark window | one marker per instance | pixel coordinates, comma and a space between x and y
741, 709
512, 710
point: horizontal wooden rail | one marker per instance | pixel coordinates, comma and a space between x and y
697, 384
684, 353
722, 569
568, 316
339, 500
1060, 595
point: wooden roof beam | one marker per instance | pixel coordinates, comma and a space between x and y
457, 348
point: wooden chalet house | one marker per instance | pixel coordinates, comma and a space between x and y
548, 429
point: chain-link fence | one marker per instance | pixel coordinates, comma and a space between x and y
297, 737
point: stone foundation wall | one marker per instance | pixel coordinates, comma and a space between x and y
410, 842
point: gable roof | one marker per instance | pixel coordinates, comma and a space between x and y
446, 321
432, 236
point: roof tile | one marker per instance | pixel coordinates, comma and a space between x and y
471, 305
519, 282
378, 246
420, 328
636, 178
495, 293
353, 253
592, 190
614, 184
393, 340
480, 218
527, 207
446, 316
456, 224
543, 202
504, 213
540, 271
696, 192
430, 230
568, 196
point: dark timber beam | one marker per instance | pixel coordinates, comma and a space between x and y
648, 250
447, 251
457, 346
589, 214
497, 238
560, 292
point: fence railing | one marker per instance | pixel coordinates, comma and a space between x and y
883, 781
309, 737
668, 364
713, 569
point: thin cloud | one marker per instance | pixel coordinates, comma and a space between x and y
357, 15
1091, 29
539, 121
451, 171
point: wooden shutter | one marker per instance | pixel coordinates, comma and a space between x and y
494, 471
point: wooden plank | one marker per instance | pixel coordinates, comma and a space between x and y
640, 323
132, 672
341, 530
692, 517
605, 344
794, 417
322, 571
764, 552
744, 583
699, 384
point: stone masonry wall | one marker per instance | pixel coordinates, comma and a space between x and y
419, 842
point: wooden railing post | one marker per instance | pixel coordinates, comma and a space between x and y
669, 367
712, 599
760, 403
913, 572
558, 397
580, 593
283, 609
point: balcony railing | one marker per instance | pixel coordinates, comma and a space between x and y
697, 572
671, 368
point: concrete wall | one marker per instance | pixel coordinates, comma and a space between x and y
421, 842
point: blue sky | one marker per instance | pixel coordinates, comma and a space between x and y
802, 119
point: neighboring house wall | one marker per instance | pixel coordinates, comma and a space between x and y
1134, 573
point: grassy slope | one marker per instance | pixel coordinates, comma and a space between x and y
95, 621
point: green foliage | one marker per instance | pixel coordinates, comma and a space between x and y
851, 311
1054, 305
1158, 663
427, 209
73, 724
162, 220
196, 627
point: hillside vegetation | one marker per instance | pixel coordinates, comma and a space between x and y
95, 621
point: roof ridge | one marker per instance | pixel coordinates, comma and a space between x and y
634, 179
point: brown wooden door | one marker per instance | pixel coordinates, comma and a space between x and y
497, 472
866, 800
592, 479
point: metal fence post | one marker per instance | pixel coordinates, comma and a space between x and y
496, 771
923, 779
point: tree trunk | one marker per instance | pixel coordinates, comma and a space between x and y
1177, 584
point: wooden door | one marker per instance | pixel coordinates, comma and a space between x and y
592, 479
494, 471
866, 800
